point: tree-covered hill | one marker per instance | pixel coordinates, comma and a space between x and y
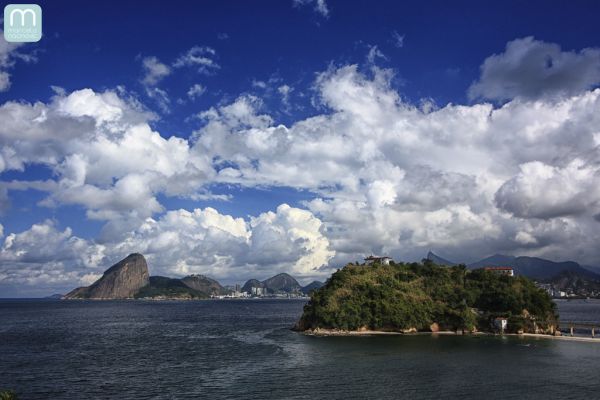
161, 287
402, 297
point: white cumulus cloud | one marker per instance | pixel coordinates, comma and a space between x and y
154, 71
178, 243
195, 91
103, 152
544, 191
384, 175
390, 177
9, 55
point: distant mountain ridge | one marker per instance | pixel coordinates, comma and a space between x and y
439, 260
574, 284
161, 287
497, 260
537, 268
189, 287
130, 279
250, 283
314, 285
592, 268
280, 283
203, 284
531, 267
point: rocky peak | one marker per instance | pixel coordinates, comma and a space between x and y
121, 281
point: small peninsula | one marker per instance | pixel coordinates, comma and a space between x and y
426, 297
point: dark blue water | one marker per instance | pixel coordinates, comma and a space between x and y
245, 350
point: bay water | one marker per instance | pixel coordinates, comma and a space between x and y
246, 350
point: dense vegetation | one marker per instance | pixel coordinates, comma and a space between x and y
8, 395
162, 287
415, 296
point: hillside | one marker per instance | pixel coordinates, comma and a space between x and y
121, 281
161, 287
204, 284
250, 284
439, 260
280, 283
531, 267
312, 286
591, 268
425, 297
534, 267
573, 283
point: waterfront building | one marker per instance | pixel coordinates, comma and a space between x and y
258, 291
500, 324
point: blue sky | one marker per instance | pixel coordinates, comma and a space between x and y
249, 87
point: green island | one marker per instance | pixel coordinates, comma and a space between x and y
425, 297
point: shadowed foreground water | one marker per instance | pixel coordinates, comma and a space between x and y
244, 349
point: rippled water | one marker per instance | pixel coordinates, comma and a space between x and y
582, 311
244, 349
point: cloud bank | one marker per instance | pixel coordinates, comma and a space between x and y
178, 243
386, 176
532, 68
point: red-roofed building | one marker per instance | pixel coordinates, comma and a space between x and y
501, 270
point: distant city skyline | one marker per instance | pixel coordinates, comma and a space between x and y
244, 139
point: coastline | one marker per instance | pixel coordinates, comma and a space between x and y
562, 337
340, 333
168, 299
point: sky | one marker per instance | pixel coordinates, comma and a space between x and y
241, 139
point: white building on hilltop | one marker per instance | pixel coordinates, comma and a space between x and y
508, 271
377, 260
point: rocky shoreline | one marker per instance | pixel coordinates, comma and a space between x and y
365, 332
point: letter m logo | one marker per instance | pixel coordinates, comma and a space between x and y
22, 13
22, 23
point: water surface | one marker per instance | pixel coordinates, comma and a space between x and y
244, 349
